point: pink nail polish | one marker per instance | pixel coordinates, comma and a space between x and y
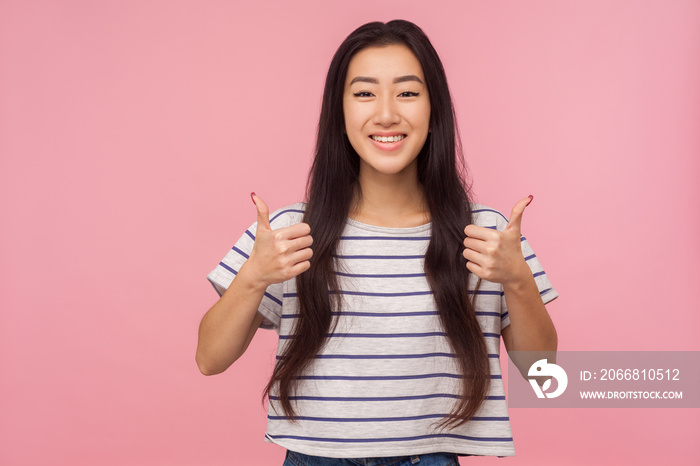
251, 197
531, 198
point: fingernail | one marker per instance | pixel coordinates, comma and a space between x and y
531, 198
251, 197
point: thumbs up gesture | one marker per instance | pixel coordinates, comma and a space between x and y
497, 256
281, 254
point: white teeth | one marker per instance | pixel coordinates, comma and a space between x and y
388, 138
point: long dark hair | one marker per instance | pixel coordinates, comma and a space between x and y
329, 193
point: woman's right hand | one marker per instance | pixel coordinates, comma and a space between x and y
281, 254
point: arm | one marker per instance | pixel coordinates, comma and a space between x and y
497, 256
228, 327
531, 335
531, 328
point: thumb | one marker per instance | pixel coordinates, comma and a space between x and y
263, 212
516, 215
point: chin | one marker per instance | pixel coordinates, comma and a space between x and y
390, 169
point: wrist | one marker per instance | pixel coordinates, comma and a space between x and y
520, 280
250, 278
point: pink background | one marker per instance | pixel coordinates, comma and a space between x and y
132, 132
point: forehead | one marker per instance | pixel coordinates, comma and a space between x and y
384, 63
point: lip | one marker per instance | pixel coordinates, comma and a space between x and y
388, 146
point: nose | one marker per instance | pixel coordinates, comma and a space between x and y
386, 111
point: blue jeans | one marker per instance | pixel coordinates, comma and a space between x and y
431, 459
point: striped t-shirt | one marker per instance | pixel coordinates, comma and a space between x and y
387, 374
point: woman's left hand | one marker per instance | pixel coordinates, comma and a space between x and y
497, 256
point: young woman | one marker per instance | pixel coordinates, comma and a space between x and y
390, 291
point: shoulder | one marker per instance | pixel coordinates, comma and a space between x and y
488, 217
288, 215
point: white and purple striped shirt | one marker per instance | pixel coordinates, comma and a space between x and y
387, 374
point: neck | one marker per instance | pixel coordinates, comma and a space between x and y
390, 200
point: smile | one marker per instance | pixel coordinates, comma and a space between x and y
388, 139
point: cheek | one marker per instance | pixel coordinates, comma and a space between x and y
422, 117
353, 115
355, 123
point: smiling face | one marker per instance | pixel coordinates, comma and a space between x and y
387, 110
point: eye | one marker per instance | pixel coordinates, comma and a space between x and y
362, 94
409, 94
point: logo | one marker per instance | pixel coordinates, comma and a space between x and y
544, 369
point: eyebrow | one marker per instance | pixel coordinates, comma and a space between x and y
400, 79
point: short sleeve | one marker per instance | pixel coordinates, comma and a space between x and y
225, 272
547, 291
